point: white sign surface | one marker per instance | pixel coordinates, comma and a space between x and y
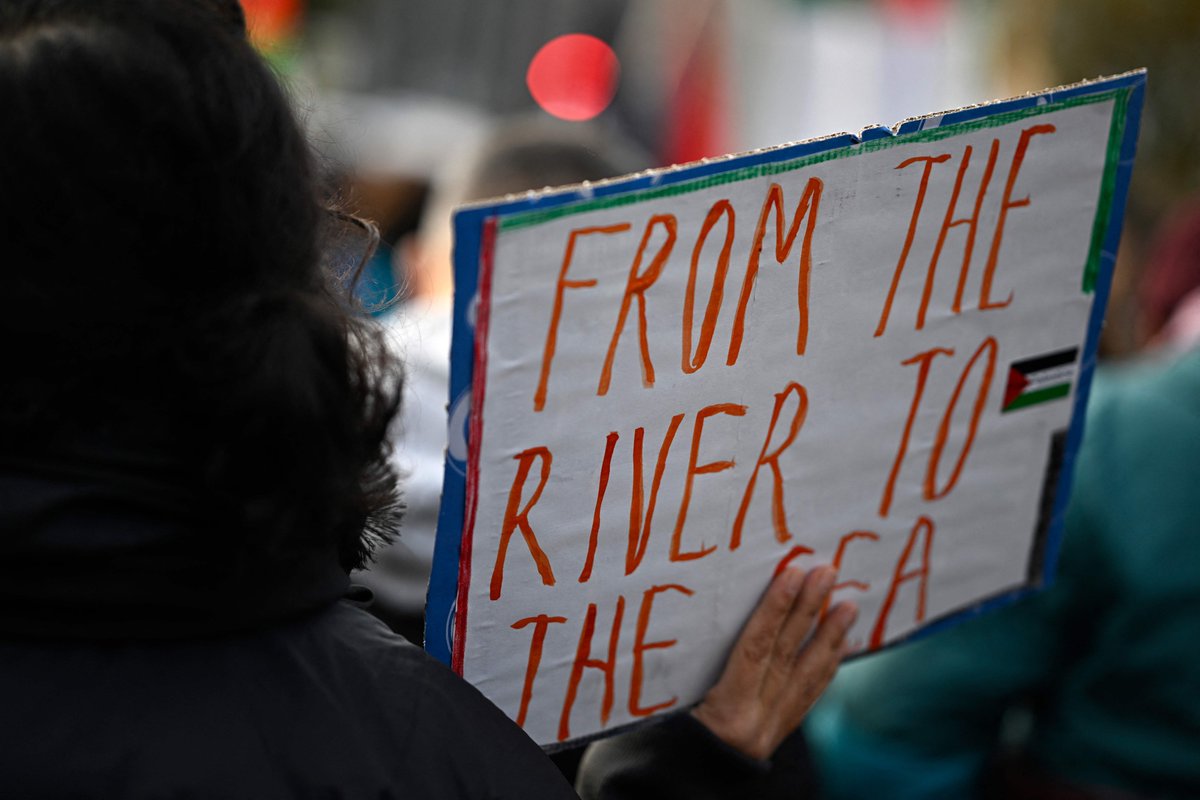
861, 356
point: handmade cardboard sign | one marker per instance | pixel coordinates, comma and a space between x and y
869, 351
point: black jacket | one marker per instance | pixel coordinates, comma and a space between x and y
136, 662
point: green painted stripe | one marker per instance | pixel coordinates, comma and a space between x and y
1039, 396
1116, 135
528, 218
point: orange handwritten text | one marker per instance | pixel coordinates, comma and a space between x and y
640, 646
912, 231
610, 444
540, 624
639, 528
692, 361
778, 516
583, 660
939, 444
514, 519
792, 555
972, 223
899, 577
809, 203
636, 287
840, 554
925, 360
694, 469
1006, 202
539, 395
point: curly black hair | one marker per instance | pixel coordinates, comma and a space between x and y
160, 247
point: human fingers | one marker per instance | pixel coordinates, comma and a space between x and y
798, 625
753, 650
817, 661
830, 637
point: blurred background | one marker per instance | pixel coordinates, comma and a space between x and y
393, 89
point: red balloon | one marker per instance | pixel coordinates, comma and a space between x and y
573, 77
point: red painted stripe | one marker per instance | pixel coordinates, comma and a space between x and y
478, 389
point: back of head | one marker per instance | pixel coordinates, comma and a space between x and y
518, 155
534, 152
146, 153
162, 290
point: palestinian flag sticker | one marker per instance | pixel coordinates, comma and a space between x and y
1040, 379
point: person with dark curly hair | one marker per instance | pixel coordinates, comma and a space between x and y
192, 442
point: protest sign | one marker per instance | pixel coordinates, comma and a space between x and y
869, 351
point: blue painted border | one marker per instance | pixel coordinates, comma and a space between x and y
468, 226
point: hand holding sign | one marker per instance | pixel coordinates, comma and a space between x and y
779, 666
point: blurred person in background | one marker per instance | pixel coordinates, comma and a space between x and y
193, 441
518, 155
382, 152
